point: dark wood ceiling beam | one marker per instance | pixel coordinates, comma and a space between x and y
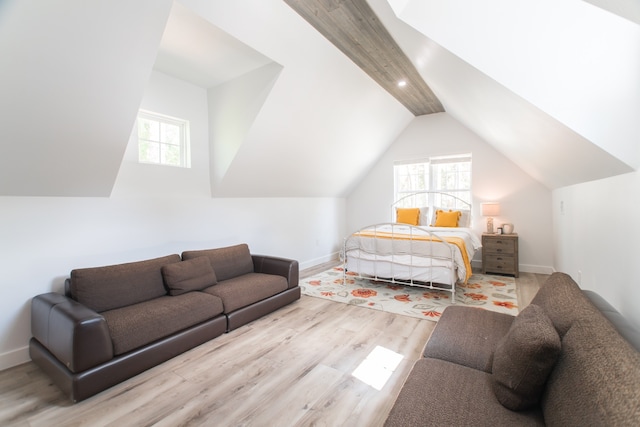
354, 28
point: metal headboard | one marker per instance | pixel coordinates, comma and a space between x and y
457, 200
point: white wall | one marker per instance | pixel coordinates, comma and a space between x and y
524, 202
596, 234
153, 211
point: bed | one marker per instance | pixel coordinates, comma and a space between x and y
414, 251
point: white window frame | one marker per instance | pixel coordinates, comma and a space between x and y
183, 143
428, 180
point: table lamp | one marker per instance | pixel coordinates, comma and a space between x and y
490, 210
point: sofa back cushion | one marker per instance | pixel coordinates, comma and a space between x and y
194, 274
596, 380
228, 262
523, 359
563, 301
115, 286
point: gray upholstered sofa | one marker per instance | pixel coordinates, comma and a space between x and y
116, 321
568, 359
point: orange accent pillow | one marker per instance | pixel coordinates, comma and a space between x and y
408, 215
447, 219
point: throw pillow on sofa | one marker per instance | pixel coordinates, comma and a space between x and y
228, 262
524, 358
191, 275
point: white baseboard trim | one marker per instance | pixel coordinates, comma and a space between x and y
14, 358
317, 261
538, 269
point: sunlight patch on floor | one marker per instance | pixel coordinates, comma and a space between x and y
377, 368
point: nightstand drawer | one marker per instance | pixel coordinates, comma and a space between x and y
499, 246
498, 263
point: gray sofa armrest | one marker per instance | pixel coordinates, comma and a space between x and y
287, 268
74, 334
622, 325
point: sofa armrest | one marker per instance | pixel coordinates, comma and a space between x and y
287, 268
76, 335
622, 325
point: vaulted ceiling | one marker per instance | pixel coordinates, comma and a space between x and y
354, 28
533, 79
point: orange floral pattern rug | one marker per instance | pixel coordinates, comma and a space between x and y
496, 293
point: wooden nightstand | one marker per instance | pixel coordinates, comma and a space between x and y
500, 254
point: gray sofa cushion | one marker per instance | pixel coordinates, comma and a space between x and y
440, 393
463, 328
191, 275
523, 359
229, 262
140, 324
563, 301
247, 289
596, 380
115, 286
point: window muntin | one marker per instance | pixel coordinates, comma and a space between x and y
163, 140
451, 174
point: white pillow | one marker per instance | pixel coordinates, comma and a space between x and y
425, 217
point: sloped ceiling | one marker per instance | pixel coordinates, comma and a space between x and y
556, 96
72, 77
577, 64
324, 122
544, 146
194, 50
354, 28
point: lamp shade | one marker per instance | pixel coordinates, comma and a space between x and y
490, 209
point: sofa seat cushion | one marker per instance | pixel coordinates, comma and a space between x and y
441, 393
463, 328
191, 275
596, 380
524, 358
115, 286
247, 289
228, 262
140, 324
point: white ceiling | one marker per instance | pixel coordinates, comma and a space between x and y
72, 77
69, 102
548, 150
579, 65
193, 50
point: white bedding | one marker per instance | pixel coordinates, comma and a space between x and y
405, 252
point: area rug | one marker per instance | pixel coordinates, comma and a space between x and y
495, 293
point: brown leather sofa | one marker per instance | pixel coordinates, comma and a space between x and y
117, 321
568, 359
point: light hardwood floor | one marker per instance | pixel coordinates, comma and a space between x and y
290, 368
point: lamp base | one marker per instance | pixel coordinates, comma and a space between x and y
489, 225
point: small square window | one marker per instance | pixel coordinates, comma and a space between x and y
163, 140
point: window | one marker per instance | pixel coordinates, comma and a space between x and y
445, 174
163, 140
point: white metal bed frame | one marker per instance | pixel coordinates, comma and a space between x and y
399, 258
